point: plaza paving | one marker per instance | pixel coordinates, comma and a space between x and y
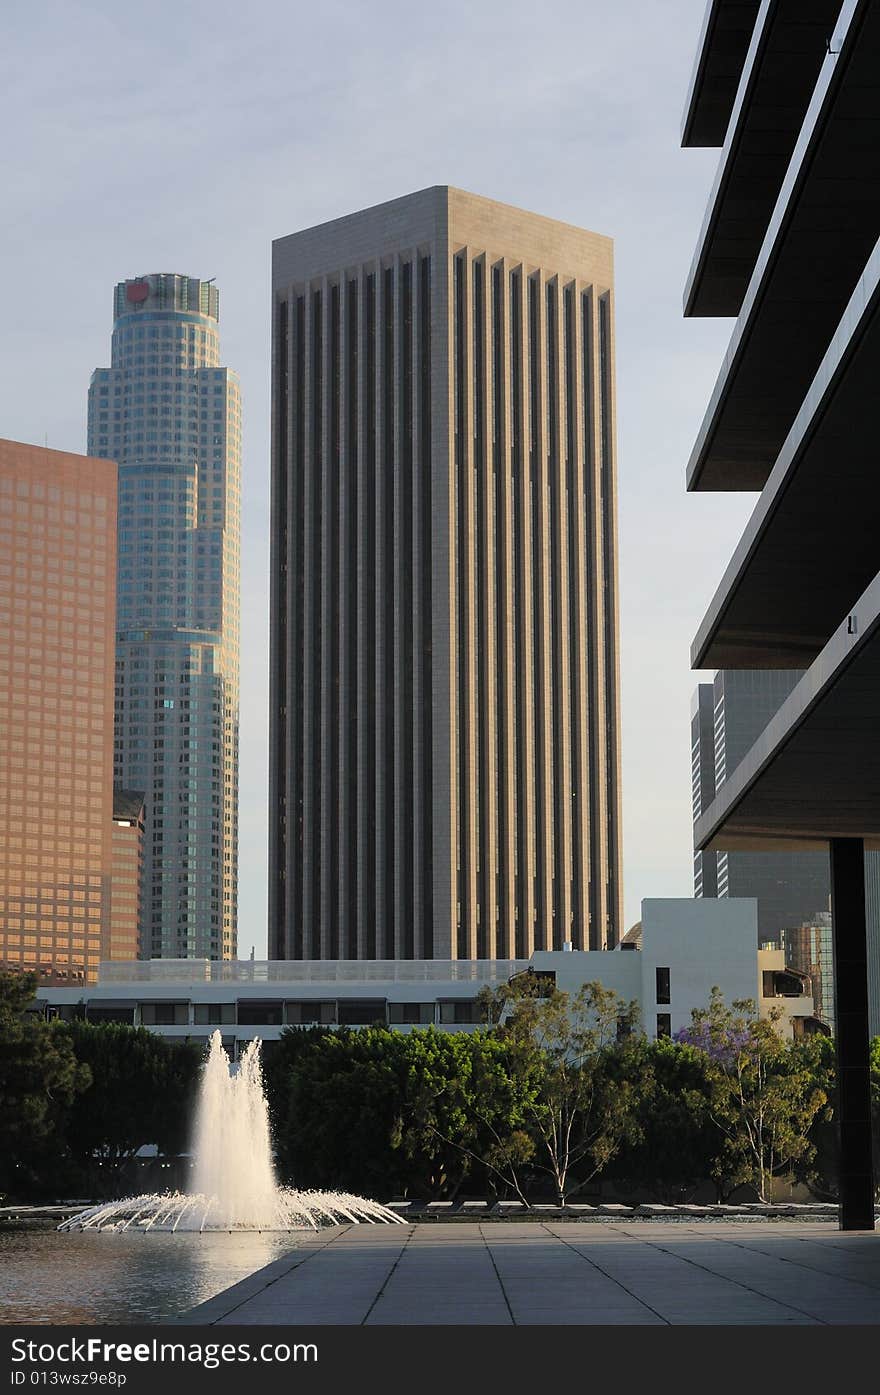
566, 1272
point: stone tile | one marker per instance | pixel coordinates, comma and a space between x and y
565, 1272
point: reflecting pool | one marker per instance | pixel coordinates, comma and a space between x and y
92, 1277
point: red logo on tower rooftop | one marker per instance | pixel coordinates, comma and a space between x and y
137, 291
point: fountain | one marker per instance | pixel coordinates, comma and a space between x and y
234, 1179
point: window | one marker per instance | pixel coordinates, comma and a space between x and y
460, 1012
360, 1013
263, 1014
417, 1013
309, 1013
164, 1014
662, 985
111, 1014
664, 1024
213, 1014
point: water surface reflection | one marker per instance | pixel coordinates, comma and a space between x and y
134, 1277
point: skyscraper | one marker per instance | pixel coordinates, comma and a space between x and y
728, 716
170, 415
57, 612
444, 727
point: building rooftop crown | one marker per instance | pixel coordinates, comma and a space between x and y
169, 292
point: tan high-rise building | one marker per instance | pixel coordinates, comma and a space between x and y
444, 689
57, 621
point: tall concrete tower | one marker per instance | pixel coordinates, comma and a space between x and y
444, 674
170, 415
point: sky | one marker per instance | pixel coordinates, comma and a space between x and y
185, 137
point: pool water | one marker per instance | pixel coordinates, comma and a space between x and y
91, 1277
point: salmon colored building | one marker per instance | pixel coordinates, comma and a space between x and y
57, 654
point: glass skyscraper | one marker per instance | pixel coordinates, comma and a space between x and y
170, 416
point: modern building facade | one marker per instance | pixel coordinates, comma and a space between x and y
728, 716
170, 415
444, 728
789, 245
57, 618
688, 948
127, 875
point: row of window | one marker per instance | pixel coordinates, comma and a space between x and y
276, 1013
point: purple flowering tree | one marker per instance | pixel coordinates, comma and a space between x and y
764, 1094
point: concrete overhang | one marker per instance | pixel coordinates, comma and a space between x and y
721, 52
809, 549
814, 773
823, 228
788, 46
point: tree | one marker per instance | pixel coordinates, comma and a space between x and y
387, 1112
141, 1092
677, 1140
582, 1104
764, 1094
39, 1078
468, 1104
335, 1100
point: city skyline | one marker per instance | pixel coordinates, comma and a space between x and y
511, 133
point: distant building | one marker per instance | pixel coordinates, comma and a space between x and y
57, 622
444, 729
793, 889
727, 717
687, 948
170, 414
126, 908
808, 948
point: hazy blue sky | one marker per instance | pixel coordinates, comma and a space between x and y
185, 137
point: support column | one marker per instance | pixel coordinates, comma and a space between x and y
849, 937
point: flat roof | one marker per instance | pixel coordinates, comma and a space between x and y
822, 231
190, 973
721, 52
814, 772
788, 46
802, 559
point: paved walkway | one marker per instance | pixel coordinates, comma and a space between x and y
658, 1273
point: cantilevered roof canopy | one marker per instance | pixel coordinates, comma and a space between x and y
823, 228
814, 773
810, 547
724, 41
788, 45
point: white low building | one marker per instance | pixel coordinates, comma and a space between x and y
684, 949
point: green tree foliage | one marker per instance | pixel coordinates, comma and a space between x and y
390, 1113
335, 1099
470, 1098
764, 1094
579, 1054
141, 1092
39, 1078
677, 1141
